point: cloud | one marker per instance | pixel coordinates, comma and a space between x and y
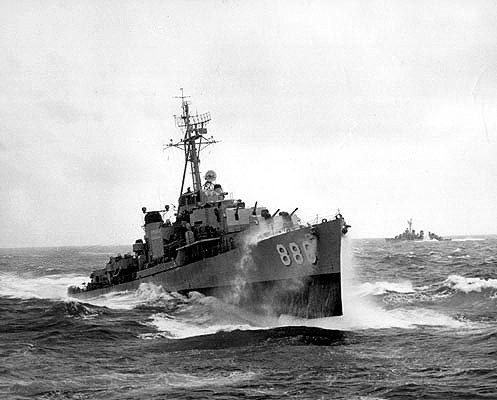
68, 113
377, 108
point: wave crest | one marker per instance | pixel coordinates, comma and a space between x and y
383, 287
467, 285
40, 287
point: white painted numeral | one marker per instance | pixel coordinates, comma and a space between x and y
310, 251
285, 258
296, 254
308, 247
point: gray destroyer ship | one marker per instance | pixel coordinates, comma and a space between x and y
410, 235
265, 261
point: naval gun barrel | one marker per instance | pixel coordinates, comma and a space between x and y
293, 212
254, 211
276, 212
236, 211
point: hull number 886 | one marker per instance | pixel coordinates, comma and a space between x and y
296, 253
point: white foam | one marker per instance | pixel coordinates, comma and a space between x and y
41, 287
191, 381
467, 285
147, 385
359, 314
175, 328
382, 287
55, 287
467, 239
203, 315
126, 300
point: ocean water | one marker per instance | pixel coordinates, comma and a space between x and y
420, 321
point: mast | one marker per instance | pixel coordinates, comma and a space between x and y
409, 223
194, 140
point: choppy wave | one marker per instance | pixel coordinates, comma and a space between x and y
416, 323
467, 285
468, 239
374, 317
179, 316
190, 381
74, 309
174, 328
97, 253
41, 287
146, 294
378, 288
359, 314
454, 283
139, 385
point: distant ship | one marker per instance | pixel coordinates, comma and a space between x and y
410, 235
265, 261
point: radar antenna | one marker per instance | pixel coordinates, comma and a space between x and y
194, 140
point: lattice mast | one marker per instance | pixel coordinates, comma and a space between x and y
194, 140
409, 224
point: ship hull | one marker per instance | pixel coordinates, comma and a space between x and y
403, 240
296, 272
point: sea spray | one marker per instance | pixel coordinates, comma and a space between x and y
27, 286
467, 285
174, 328
147, 294
243, 266
382, 287
201, 315
361, 311
240, 293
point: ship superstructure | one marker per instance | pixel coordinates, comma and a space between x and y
410, 235
266, 261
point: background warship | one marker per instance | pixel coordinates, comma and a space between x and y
266, 262
410, 234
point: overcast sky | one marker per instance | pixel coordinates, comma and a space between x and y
386, 110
